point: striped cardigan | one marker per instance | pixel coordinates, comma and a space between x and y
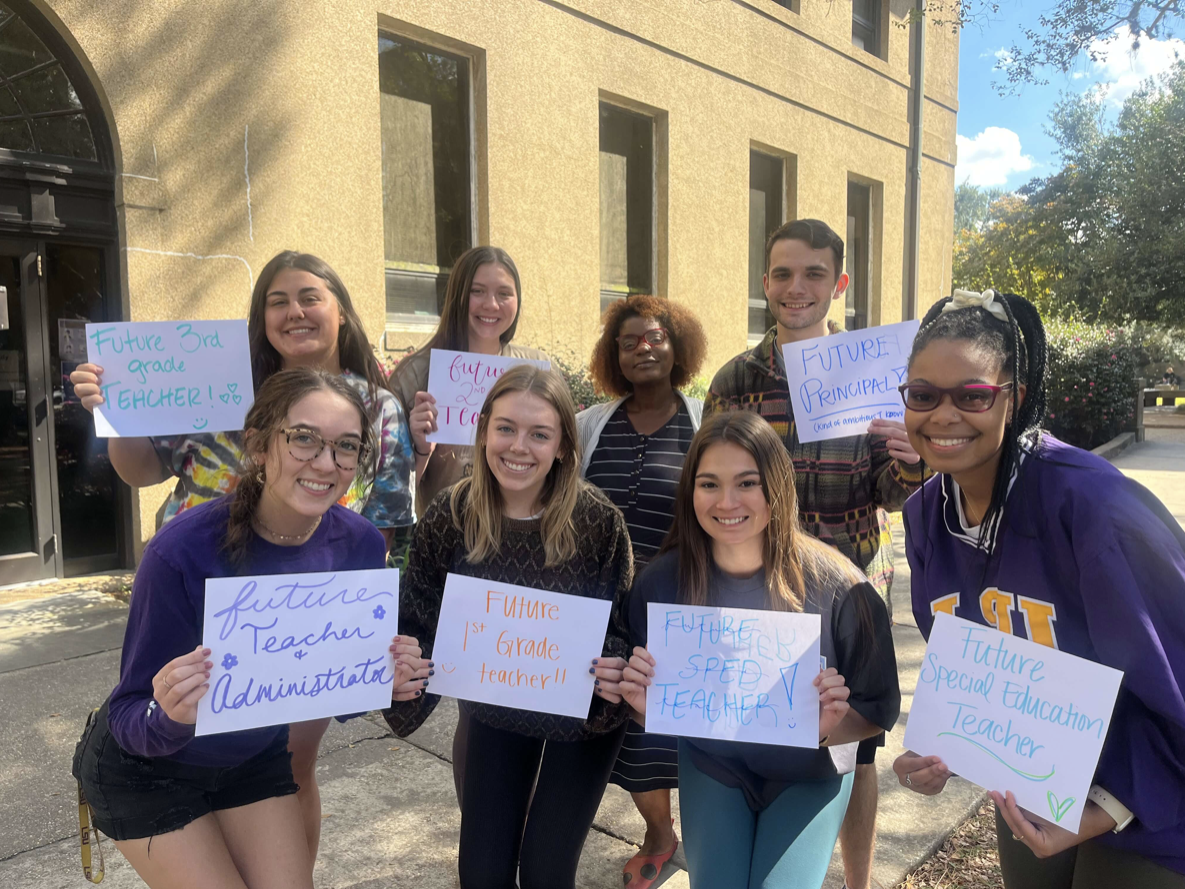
844, 485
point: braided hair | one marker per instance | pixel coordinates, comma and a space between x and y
1020, 345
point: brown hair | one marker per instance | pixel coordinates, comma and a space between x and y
353, 346
815, 233
687, 339
267, 417
481, 517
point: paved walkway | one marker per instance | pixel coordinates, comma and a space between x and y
391, 819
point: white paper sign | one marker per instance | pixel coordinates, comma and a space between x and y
460, 381
290, 647
840, 383
497, 643
733, 673
1009, 714
171, 377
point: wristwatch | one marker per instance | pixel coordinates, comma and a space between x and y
1122, 814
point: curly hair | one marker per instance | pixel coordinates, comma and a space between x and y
687, 339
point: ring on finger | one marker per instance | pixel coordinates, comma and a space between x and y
907, 781
165, 682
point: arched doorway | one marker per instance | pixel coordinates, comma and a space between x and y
62, 510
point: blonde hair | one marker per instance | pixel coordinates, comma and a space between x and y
476, 502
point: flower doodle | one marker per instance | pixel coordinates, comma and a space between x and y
229, 661
379, 612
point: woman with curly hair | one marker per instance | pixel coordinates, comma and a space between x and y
633, 450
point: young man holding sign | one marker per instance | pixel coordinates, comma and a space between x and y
845, 485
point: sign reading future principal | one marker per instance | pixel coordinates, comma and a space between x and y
840, 383
171, 377
1009, 714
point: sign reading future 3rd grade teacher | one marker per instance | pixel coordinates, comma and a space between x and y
171, 377
460, 381
290, 647
514, 646
1009, 714
842, 382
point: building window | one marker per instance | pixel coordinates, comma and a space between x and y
766, 191
427, 149
858, 255
866, 25
627, 204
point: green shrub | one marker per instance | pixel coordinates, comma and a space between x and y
1092, 382
575, 374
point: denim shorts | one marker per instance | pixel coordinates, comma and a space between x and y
135, 797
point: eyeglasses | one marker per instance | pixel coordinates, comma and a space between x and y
974, 398
306, 445
656, 336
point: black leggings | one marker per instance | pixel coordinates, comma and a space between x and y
499, 836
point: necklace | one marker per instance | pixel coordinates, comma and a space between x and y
279, 536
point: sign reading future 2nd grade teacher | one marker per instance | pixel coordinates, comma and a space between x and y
290, 647
1009, 714
460, 381
733, 673
497, 643
171, 377
840, 383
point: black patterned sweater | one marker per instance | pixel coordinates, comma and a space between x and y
602, 568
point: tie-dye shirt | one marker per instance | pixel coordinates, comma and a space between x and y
207, 465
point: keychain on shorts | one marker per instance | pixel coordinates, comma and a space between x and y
90, 840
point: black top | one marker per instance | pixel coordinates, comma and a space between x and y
640, 474
763, 771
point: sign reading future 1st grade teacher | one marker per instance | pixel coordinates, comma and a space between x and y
735, 674
290, 647
840, 383
1009, 714
171, 377
460, 381
497, 643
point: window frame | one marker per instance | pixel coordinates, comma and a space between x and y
874, 28
609, 293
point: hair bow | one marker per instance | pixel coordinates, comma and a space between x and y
969, 299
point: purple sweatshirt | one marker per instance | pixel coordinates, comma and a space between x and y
1089, 562
165, 621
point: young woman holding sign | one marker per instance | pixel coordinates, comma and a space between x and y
219, 810
525, 518
1051, 543
757, 815
301, 315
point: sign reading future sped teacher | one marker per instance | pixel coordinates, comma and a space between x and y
1009, 714
290, 647
518, 647
840, 383
460, 381
171, 377
733, 673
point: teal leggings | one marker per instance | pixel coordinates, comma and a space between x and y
786, 846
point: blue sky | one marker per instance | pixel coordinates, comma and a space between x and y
1002, 140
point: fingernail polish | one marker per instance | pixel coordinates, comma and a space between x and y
418, 693
425, 683
431, 664
596, 682
594, 660
592, 670
431, 672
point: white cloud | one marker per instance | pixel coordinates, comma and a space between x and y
1121, 71
991, 157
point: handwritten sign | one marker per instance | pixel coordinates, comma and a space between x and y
171, 377
460, 381
733, 673
1009, 714
290, 647
839, 383
517, 647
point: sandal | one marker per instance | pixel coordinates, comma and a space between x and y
641, 871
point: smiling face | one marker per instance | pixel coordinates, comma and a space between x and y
523, 440
493, 306
302, 320
729, 501
647, 363
800, 285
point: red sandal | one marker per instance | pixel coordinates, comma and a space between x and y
641, 871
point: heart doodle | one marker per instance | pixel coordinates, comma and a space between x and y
231, 387
238, 399
1058, 808
225, 398
448, 668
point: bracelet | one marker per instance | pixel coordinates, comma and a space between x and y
419, 452
1120, 814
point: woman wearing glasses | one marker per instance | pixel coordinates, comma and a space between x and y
633, 449
301, 315
1048, 542
220, 810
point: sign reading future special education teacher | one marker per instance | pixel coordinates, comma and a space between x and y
460, 381
1009, 714
171, 377
290, 647
514, 646
840, 383
733, 673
